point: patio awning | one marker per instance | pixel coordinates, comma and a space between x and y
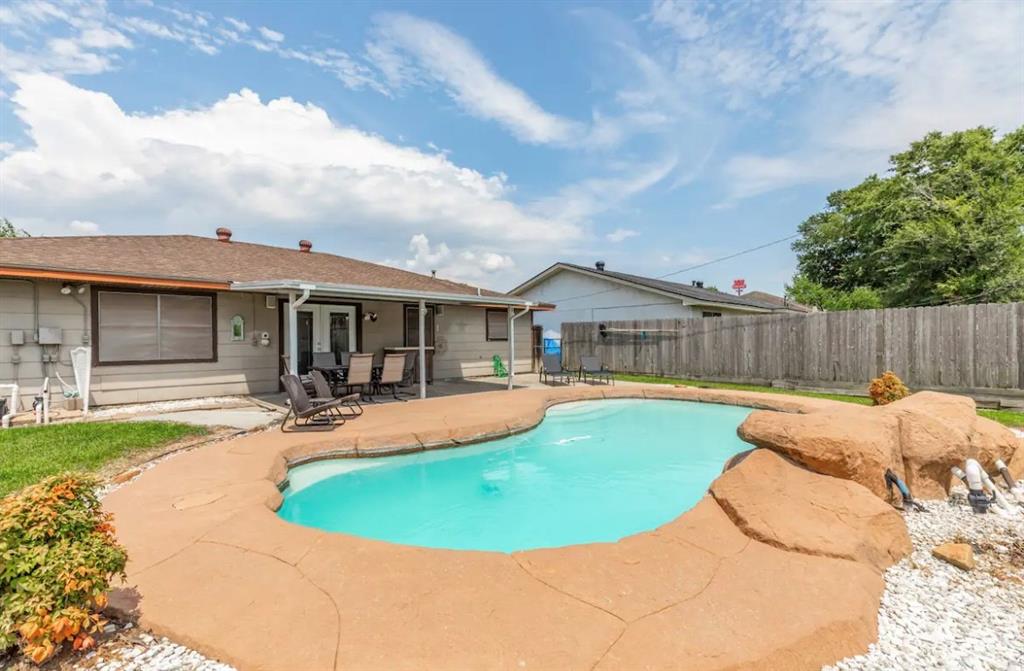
299, 291
385, 293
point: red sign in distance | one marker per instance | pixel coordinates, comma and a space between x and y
738, 286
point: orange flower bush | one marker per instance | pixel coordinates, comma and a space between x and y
58, 555
887, 388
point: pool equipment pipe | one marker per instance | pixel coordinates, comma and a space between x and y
978, 479
975, 493
12, 407
908, 501
41, 403
1016, 488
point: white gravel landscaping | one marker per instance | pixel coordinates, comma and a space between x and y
142, 652
936, 616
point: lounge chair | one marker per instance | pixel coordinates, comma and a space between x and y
360, 372
392, 374
591, 367
307, 381
308, 416
324, 394
552, 368
409, 370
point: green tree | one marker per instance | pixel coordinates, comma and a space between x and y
7, 229
946, 226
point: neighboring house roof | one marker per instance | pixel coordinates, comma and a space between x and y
778, 301
193, 261
693, 294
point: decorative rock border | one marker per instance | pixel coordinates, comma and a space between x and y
229, 578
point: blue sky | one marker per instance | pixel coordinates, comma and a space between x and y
485, 140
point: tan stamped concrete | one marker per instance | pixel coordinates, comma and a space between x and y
217, 569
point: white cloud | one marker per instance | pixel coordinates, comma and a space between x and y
410, 50
271, 35
465, 265
244, 162
84, 227
620, 234
868, 78
238, 24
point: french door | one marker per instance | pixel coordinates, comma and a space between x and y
323, 328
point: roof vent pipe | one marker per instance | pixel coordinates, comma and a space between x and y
599, 265
433, 273
305, 246
224, 234
698, 283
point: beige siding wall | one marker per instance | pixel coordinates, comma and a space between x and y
241, 367
387, 331
463, 349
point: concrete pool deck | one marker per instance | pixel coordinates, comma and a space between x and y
746, 579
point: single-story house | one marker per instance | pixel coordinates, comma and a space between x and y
584, 294
179, 316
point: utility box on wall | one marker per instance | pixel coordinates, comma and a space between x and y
50, 335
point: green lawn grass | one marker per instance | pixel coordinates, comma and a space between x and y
1007, 417
30, 454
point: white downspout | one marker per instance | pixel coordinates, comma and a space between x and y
512, 317
423, 348
293, 327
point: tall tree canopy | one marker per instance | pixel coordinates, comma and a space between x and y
947, 226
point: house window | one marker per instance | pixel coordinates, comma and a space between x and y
412, 326
137, 327
497, 324
711, 314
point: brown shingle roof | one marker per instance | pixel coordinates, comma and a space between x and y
780, 301
193, 258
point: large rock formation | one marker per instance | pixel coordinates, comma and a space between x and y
919, 438
789, 507
840, 443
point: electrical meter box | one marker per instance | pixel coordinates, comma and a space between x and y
17, 337
50, 335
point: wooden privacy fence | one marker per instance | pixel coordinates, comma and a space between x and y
970, 348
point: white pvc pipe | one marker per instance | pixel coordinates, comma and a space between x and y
5, 421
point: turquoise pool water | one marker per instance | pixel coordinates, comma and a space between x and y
591, 471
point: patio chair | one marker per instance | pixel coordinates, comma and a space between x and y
409, 370
308, 416
392, 374
360, 373
307, 381
324, 394
327, 363
552, 368
591, 367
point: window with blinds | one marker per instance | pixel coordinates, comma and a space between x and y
135, 327
497, 324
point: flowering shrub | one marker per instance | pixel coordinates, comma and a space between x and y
888, 388
58, 556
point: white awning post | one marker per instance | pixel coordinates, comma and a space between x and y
512, 317
293, 341
423, 349
511, 346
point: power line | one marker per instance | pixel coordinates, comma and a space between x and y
683, 270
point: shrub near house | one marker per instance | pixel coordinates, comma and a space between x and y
59, 555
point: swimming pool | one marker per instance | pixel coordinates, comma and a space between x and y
592, 471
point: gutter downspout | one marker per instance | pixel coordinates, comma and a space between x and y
512, 317
293, 326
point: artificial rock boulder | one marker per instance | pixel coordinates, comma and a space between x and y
784, 505
842, 443
920, 438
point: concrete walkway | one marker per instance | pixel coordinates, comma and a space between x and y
213, 567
